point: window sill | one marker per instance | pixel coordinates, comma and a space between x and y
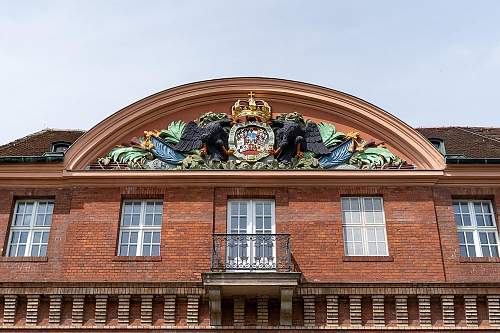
24, 259
368, 258
137, 258
480, 259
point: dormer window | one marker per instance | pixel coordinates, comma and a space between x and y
60, 146
438, 144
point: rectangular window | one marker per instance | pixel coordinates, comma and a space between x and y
251, 235
140, 228
30, 228
364, 226
476, 228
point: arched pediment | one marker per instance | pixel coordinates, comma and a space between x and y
189, 101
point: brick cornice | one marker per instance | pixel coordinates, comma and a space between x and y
53, 176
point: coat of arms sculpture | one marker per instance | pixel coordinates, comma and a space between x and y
250, 139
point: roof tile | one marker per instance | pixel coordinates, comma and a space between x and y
38, 143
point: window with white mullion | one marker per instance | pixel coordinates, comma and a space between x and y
140, 228
240, 215
364, 226
252, 219
30, 228
476, 228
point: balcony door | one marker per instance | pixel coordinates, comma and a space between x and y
251, 243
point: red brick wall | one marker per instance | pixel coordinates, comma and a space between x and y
390, 311
112, 311
460, 311
314, 219
298, 312
20, 317
89, 311
181, 312
482, 311
366, 311
158, 304
413, 318
84, 234
135, 310
320, 306
43, 310
344, 314
66, 310
204, 313
436, 311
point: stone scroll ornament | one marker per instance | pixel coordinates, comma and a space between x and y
250, 139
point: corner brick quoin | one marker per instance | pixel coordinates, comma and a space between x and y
258, 251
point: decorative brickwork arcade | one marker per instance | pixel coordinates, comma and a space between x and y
191, 310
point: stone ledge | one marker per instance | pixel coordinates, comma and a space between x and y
251, 278
368, 258
24, 259
250, 283
136, 258
479, 259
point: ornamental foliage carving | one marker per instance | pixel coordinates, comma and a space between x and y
250, 139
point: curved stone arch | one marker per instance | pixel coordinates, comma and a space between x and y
360, 113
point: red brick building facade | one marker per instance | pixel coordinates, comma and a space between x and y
94, 245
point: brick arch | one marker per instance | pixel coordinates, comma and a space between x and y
361, 114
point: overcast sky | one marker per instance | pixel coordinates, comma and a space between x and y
69, 64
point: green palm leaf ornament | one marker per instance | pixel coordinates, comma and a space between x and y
173, 132
330, 135
375, 158
133, 156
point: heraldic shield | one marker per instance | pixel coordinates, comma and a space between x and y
251, 141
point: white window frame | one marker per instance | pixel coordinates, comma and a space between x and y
251, 225
31, 229
364, 227
251, 214
474, 228
140, 229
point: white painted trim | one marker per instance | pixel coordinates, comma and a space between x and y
31, 228
474, 228
251, 225
364, 226
141, 229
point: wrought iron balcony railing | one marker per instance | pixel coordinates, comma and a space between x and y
251, 252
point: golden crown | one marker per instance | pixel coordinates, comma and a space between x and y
253, 108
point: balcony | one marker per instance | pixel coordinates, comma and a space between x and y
251, 253
251, 265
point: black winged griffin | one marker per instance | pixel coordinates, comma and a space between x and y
211, 138
294, 136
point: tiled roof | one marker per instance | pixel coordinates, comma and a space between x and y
470, 142
38, 143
